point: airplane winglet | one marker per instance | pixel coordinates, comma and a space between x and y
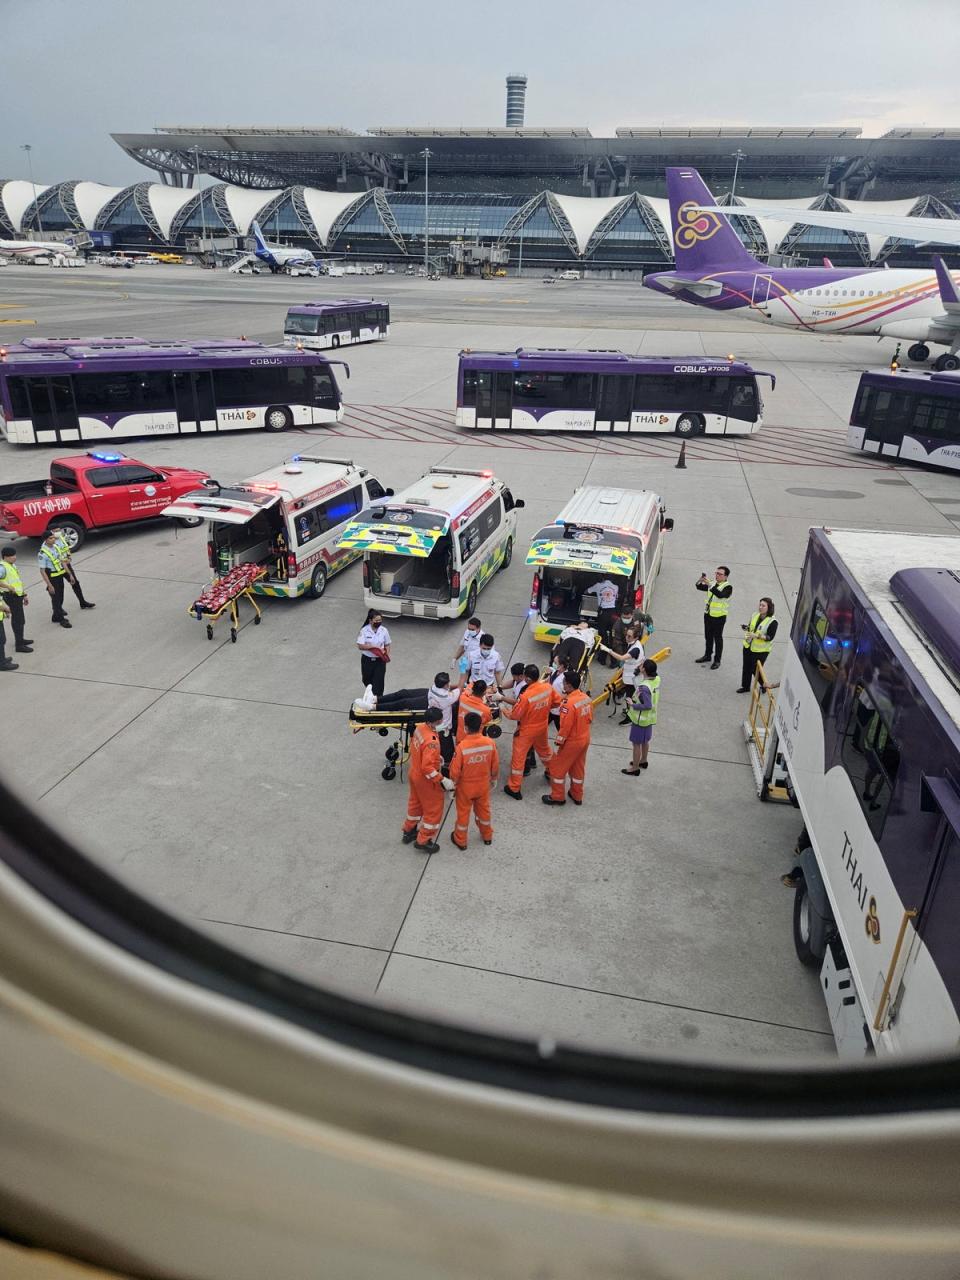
948, 290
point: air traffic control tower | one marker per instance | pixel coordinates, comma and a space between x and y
516, 101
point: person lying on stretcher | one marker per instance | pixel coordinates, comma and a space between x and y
417, 700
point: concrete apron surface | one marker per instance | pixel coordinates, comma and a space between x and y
224, 781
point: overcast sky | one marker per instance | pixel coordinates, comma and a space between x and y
72, 72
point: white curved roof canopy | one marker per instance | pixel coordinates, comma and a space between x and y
90, 198
325, 207
244, 204
17, 197
166, 203
585, 213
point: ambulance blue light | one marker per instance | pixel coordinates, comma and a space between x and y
107, 457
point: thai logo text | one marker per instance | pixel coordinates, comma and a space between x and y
858, 885
693, 225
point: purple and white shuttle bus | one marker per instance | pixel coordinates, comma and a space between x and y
866, 738
544, 390
908, 414
337, 323
67, 390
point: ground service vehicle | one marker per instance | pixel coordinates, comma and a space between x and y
866, 736
315, 325
97, 490
288, 519
431, 550
544, 390
908, 414
167, 257
59, 390
600, 533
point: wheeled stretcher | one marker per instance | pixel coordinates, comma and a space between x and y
223, 596
401, 722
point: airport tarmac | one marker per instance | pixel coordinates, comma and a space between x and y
223, 781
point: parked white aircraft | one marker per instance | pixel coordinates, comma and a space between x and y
277, 256
27, 249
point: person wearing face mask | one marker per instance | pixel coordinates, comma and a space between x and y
469, 644
486, 663
532, 713
622, 623
374, 645
474, 700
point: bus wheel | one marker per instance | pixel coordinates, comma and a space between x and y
918, 352
318, 583
688, 424
277, 418
335, 341
507, 555
72, 532
807, 933
947, 363
471, 600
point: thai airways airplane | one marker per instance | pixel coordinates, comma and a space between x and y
276, 256
26, 249
714, 270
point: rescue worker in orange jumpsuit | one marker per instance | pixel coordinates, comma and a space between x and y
474, 769
473, 699
532, 712
427, 785
573, 741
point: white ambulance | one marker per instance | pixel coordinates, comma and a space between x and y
602, 533
288, 518
429, 552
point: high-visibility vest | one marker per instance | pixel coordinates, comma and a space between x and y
648, 717
717, 607
57, 567
11, 583
759, 644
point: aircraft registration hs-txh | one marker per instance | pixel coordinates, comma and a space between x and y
713, 269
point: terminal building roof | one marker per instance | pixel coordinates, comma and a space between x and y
776, 160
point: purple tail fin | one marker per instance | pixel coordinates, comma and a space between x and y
702, 242
948, 290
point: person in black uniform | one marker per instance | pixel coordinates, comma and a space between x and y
714, 614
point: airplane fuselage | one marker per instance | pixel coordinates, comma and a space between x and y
897, 303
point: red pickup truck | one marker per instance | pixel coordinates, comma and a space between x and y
96, 490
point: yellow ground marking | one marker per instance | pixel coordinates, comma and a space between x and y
14, 320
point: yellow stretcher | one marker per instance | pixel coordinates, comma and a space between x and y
223, 596
613, 689
402, 722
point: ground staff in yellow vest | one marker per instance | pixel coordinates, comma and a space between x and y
715, 612
53, 570
14, 596
642, 710
6, 664
758, 636
66, 555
